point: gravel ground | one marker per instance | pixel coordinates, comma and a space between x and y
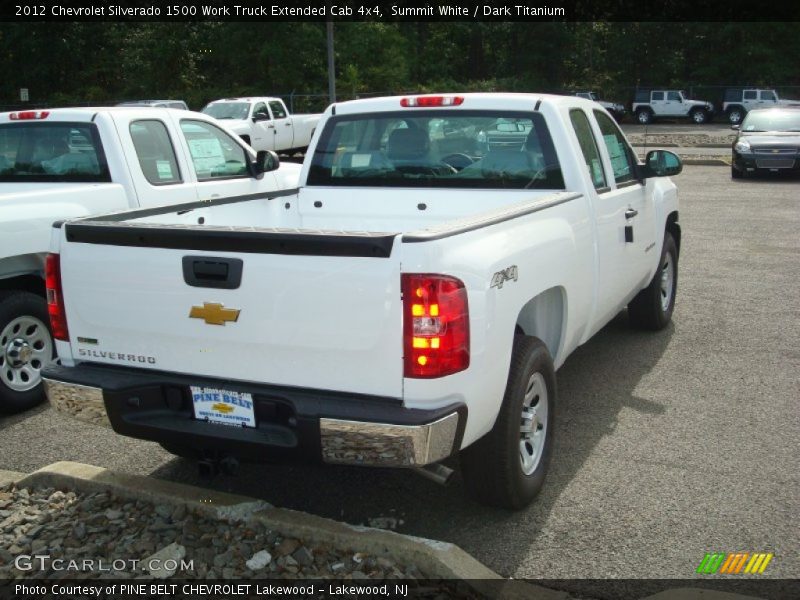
687, 140
125, 539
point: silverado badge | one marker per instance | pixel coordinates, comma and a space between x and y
213, 313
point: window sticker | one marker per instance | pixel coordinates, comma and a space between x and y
597, 172
616, 152
206, 154
360, 160
164, 169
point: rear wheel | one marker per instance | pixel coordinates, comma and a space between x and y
735, 115
507, 466
26, 347
644, 116
652, 307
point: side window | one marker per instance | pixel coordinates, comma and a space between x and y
580, 123
622, 157
770, 96
260, 109
658, 96
155, 152
674, 96
750, 95
214, 153
278, 111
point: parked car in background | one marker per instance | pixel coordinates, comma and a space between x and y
265, 123
616, 109
768, 140
72, 162
739, 101
180, 104
651, 104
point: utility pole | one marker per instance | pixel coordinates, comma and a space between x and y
331, 70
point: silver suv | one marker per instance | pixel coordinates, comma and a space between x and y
739, 101
653, 104
617, 110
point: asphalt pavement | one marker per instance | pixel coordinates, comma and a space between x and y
669, 445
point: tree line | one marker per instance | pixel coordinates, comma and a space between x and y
86, 63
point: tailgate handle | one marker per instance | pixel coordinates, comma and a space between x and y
212, 272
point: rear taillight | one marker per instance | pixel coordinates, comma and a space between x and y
55, 299
435, 325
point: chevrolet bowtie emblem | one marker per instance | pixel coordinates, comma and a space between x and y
213, 313
223, 408
775, 151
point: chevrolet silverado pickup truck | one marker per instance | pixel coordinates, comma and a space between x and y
410, 302
62, 163
265, 123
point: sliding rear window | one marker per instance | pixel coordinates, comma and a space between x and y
437, 148
52, 152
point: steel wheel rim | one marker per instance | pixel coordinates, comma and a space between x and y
533, 423
735, 116
667, 282
643, 118
25, 349
699, 117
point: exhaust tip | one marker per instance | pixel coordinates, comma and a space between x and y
436, 472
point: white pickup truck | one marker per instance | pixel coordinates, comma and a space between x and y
265, 123
409, 303
66, 163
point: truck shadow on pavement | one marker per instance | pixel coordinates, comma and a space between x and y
596, 383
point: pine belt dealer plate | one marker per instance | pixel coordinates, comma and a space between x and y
223, 407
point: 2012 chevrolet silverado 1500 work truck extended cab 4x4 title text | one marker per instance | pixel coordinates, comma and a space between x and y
442, 256
75, 162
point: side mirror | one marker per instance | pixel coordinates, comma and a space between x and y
260, 116
660, 163
266, 161
736, 127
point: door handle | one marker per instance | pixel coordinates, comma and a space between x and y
630, 213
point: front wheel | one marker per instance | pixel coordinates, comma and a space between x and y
507, 466
652, 307
699, 117
26, 347
735, 116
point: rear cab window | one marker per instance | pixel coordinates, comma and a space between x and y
52, 152
437, 148
155, 152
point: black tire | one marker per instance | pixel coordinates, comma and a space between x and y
699, 116
736, 115
650, 309
15, 305
644, 116
492, 466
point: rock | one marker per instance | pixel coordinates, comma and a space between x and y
113, 515
287, 546
157, 563
289, 561
179, 513
359, 575
336, 567
164, 511
384, 563
222, 560
383, 523
259, 560
303, 556
79, 531
38, 545
228, 573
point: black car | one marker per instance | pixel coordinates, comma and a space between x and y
768, 140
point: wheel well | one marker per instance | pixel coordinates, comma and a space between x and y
543, 317
735, 106
675, 229
27, 283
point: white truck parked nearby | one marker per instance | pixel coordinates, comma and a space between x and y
67, 163
409, 303
265, 123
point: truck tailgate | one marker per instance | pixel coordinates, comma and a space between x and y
330, 322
